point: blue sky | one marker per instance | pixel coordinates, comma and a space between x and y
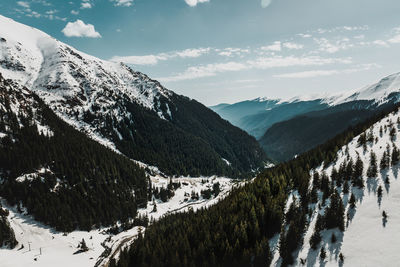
229, 50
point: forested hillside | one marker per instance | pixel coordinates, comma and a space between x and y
237, 231
192, 141
58, 174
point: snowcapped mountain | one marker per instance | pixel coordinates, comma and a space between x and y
71, 82
123, 109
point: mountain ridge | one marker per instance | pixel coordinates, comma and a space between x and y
279, 127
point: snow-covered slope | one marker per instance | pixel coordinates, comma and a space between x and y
380, 92
70, 82
368, 239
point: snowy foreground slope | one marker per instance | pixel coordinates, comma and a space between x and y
369, 239
43, 246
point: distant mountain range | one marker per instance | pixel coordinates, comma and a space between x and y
286, 128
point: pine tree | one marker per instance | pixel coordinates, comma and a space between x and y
83, 245
385, 161
373, 168
346, 188
154, 206
380, 191
341, 257
333, 238
315, 239
316, 180
322, 254
358, 167
362, 139
352, 201
370, 135
384, 215
393, 133
334, 216
319, 224
395, 155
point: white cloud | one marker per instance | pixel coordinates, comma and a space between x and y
42, 2
276, 47
195, 2
74, 12
308, 74
205, 71
304, 35
380, 43
265, 3
229, 51
23, 4
331, 47
86, 5
80, 29
210, 70
292, 61
359, 37
33, 14
395, 39
122, 2
319, 73
294, 46
342, 29
154, 59
139, 60
191, 53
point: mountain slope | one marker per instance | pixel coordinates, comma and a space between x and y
124, 109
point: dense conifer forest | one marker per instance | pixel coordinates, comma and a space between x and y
7, 235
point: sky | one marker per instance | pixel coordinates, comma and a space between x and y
225, 51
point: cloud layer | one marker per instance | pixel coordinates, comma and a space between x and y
154, 59
260, 63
